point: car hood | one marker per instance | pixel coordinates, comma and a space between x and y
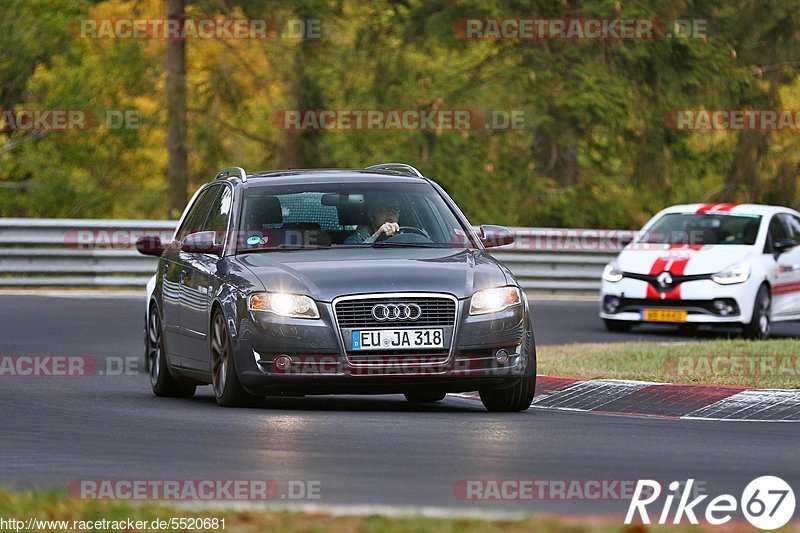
709, 259
326, 274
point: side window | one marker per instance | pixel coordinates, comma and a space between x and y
220, 213
198, 213
777, 231
794, 225
432, 219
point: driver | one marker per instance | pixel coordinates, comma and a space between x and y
383, 211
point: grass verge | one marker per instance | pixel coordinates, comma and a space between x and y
26, 505
760, 364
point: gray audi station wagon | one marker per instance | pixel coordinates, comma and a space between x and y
365, 281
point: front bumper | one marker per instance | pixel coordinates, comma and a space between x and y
705, 301
285, 355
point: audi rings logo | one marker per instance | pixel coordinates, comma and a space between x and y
383, 312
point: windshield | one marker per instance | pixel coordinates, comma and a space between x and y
324, 215
701, 229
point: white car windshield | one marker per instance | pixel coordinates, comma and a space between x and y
701, 229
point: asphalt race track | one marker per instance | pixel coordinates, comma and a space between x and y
362, 450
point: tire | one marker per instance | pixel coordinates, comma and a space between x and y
228, 389
619, 326
760, 326
518, 397
425, 397
511, 400
161, 381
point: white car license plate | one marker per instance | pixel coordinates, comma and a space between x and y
397, 339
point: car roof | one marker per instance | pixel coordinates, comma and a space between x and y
333, 175
729, 208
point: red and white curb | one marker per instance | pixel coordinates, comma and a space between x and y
666, 400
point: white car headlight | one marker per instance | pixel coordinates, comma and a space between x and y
612, 274
494, 300
283, 304
730, 276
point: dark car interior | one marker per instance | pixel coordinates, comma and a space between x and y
322, 219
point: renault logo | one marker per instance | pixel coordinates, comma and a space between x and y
664, 280
383, 312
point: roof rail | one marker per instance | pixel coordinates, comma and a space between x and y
232, 172
401, 166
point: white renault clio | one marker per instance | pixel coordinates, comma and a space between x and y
708, 264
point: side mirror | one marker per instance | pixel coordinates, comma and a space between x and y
493, 236
782, 245
626, 238
202, 242
150, 245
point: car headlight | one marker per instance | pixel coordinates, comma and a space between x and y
283, 304
729, 276
494, 300
611, 274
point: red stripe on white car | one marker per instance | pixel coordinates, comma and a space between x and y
715, 208
786, 288
675, 265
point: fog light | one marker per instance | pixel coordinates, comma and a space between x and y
501, 356
282, 363
611, 304
724, 307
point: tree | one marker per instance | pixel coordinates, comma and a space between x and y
178, 165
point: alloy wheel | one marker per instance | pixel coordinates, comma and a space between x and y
154, 347
219, 355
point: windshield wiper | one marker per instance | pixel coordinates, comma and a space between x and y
389, 244
300, 247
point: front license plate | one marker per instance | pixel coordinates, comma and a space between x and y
664, 315
397, 339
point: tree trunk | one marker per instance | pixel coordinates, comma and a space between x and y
557, 161
177, 166
743, 183
784, 188
309, 96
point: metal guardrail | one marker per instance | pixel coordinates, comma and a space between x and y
76, 252
101, 253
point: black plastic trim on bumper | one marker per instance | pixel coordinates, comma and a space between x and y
703, 307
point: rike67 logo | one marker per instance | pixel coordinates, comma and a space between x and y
767, 502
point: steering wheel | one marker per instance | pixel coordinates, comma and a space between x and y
413, 229
410, 235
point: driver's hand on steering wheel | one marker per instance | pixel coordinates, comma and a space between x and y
389, 229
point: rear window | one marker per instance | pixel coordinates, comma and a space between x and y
700, 229
307, 207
